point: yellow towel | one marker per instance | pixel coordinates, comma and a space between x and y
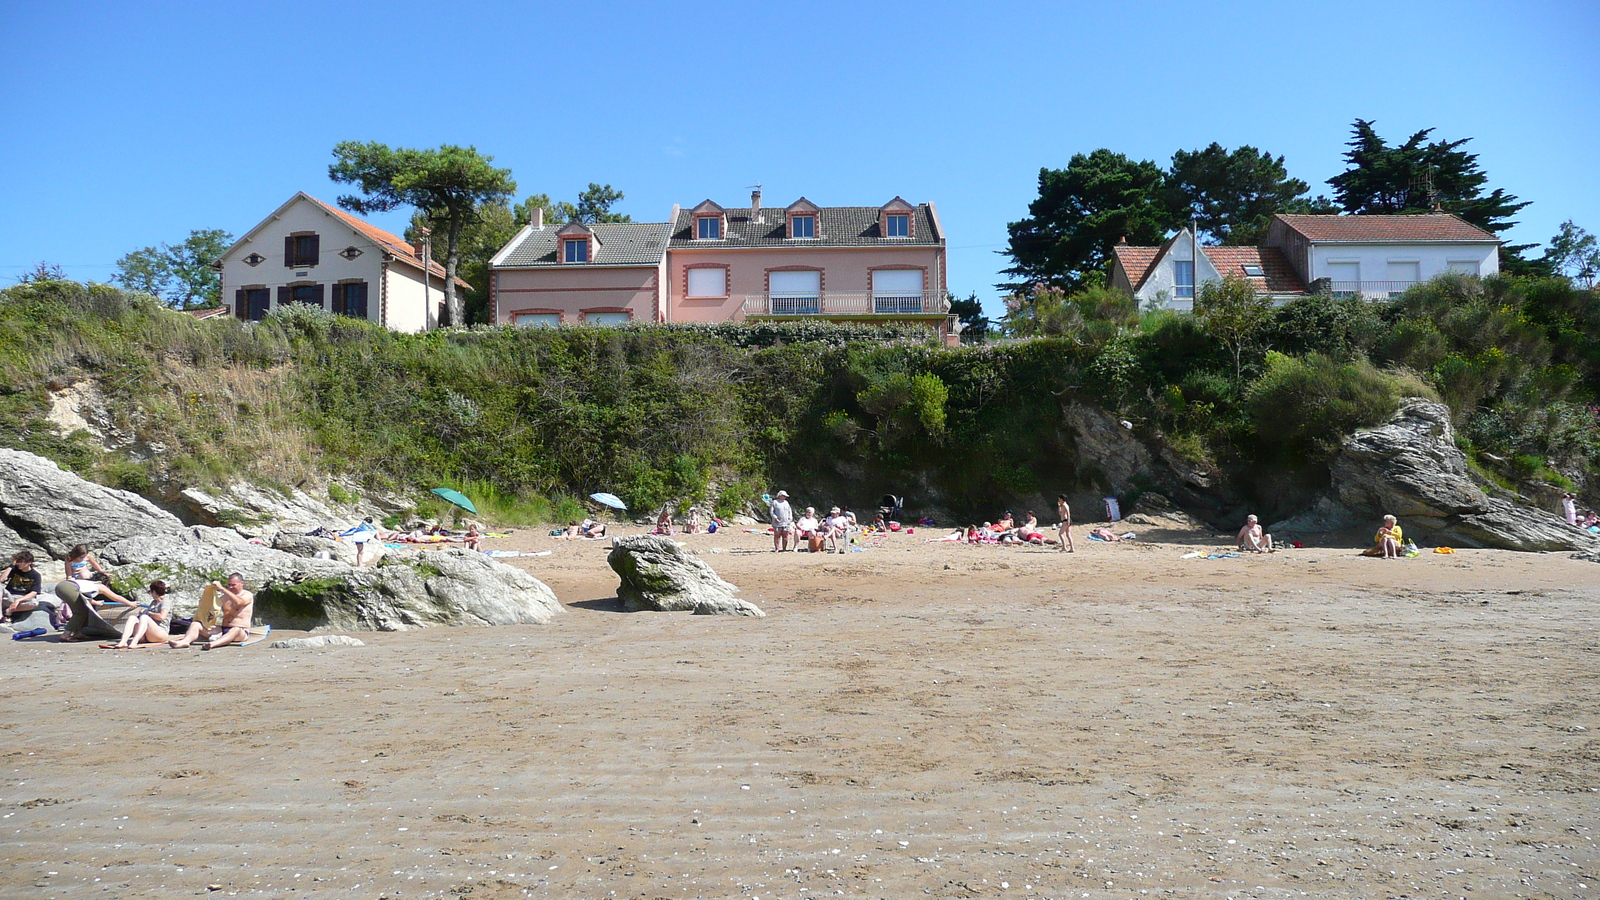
1443, 550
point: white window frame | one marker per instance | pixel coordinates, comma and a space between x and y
567, 253
888, 225
1178, 284
536, 320
700, 228
811, 226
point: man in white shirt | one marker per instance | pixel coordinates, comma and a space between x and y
782, 515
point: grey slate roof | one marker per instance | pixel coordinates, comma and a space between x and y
837, 226
628, 244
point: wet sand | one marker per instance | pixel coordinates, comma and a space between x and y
914, 720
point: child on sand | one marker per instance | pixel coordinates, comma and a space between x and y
91, 587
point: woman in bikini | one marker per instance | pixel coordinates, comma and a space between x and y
91, 587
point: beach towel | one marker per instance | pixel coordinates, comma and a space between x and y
1443, 550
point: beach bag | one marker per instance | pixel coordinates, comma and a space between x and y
1411, 549
712, 528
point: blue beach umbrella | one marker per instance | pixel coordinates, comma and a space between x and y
611, 500
457, 498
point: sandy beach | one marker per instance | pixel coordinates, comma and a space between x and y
913, 720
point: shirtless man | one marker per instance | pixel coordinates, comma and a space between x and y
1064, 527
238, 605
1251, 538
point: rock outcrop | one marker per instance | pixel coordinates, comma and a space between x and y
50, 509
1410, 467
317, 642
660, 574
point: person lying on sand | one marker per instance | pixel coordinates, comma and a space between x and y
1109, 536
1251, 538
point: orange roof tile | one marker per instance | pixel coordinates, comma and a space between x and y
1419, 228
1277, 276
1135, 261
389, 241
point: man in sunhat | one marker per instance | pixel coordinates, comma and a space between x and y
782, 515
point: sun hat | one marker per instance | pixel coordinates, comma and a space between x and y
834, 511
783, 494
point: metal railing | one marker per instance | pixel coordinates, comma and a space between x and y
844, 303
1379, 289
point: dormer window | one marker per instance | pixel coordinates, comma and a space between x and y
803, 227
708, 228
575, 250
578, 242
897, 225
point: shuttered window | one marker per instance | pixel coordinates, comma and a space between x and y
301, 250
708, 282
350, 299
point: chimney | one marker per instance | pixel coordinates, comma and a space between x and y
755, 205
538, 218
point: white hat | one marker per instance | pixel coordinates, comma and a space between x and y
783, 494
835, 510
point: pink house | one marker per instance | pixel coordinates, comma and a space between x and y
714, 264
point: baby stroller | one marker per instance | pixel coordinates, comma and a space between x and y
889, 507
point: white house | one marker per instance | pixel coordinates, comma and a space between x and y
1374, 256
1171, 271
310, 252
1379, 256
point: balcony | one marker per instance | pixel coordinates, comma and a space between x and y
848, 304
1372, 290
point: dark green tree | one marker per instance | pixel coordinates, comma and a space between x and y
450, 185
1081, 212
1234, 194
181, 275
1417, 176
975, 325
594, 205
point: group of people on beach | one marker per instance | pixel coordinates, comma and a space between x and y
73, 607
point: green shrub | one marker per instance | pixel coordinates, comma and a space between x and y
1303, 407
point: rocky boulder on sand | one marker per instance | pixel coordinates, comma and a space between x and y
53, 509
48, 508
660, 574
1410, 467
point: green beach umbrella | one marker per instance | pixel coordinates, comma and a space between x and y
457, 498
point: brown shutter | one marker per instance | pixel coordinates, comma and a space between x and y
321, 291
314, 252
288, 251
241, 306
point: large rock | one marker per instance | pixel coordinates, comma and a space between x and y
406, 589
256, 511
317, 643
660, 574
52, 509
1410, 468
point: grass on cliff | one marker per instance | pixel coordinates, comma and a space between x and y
529, 421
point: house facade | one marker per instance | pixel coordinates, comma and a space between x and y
312, 253
1372, 256
1380, 256
1170, 273
709, 263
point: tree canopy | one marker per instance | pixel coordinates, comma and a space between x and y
181, 275
449, 184
1416, 176
1081, 212
1232, 196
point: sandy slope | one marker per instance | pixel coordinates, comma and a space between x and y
915, 720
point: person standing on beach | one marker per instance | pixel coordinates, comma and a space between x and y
1569, 509
1064, 526
782, 515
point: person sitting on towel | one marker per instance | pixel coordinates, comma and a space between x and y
20, 585
1251, 537
238, 605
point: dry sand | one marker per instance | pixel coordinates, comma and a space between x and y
915, 720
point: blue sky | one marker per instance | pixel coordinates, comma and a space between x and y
128, 125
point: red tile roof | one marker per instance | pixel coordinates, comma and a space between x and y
389, 241
1277, 276
1419, 228
1135, 261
